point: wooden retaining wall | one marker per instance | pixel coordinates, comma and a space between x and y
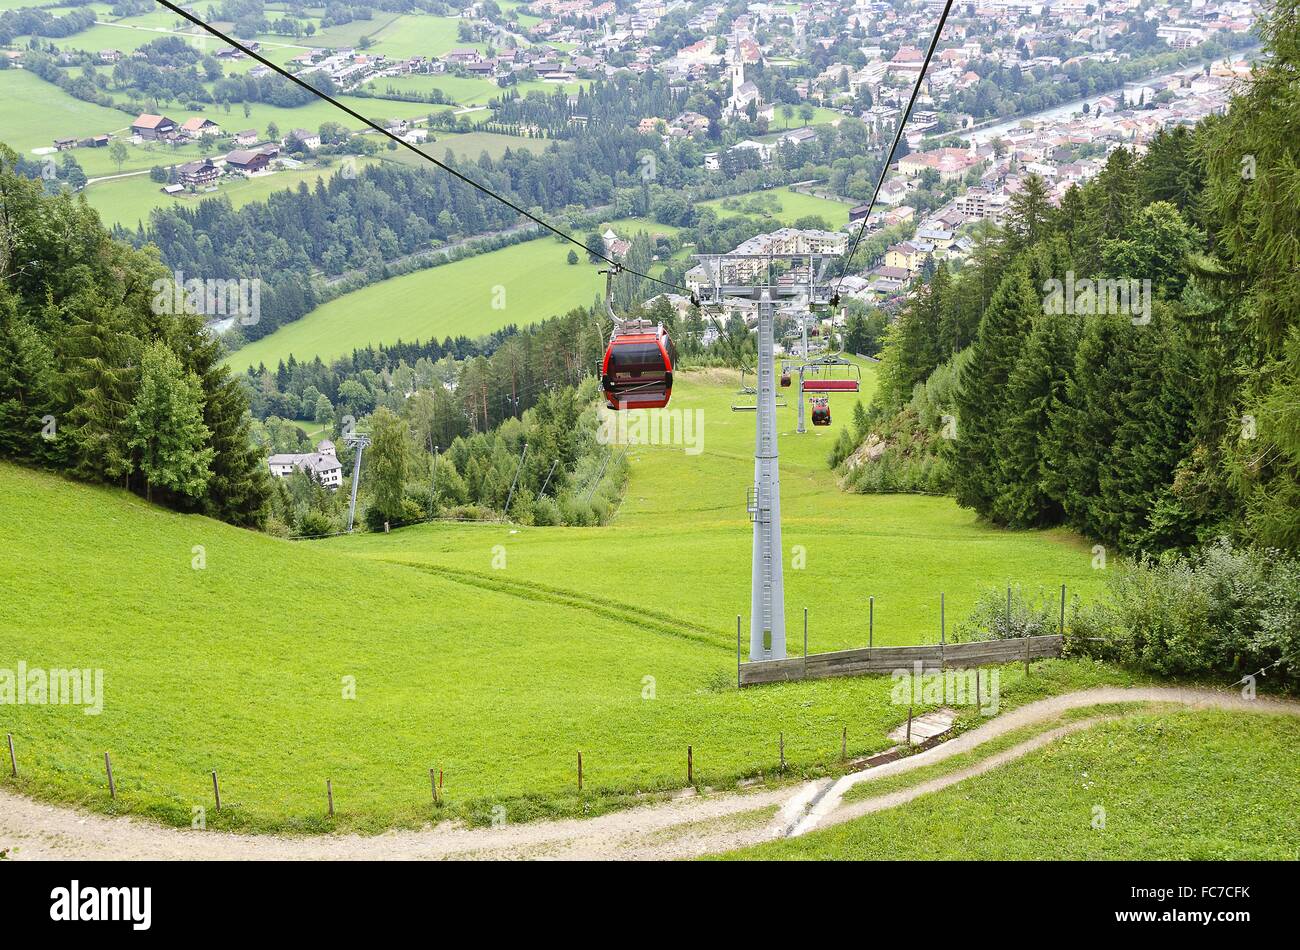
887, 659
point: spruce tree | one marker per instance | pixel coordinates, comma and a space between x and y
982, 405
1036, 391
1076, 454
165, 426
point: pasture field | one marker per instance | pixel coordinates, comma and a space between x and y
793, 205
63, 115
466, 146
461, 89
441, 301
1177, 786
414, 34
626, 227
314, 430
127, 35
24, 128
497, 677
129, 200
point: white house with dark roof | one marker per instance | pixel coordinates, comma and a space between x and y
323, 464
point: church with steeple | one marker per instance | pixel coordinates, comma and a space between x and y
743, 92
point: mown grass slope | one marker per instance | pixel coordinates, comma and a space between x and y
617, 641
681, 542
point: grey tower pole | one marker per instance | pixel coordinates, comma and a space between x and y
803, 320
359, 442
767, 598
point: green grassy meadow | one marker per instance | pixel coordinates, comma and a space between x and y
793, 205
461, 89
442, 301
902, 549
24, 128
466, 147
498, 677
128, 201
1179, 786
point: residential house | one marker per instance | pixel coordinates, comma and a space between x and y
202, 172
909, 255
199, 126
323, 464
306, 138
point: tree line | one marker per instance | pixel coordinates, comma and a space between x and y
1124, 364
97, 380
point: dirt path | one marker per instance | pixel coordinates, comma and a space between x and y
687, 827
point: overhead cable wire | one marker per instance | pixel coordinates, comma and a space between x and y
898, 136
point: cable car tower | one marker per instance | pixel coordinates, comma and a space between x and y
803, 279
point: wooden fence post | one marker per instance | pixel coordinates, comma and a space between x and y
216, 789
844, 743
781, 749
943, 632
1026, 651
909, 725
579, 771
737, 651
329, 795
1008, 610
805, 643
108, 767
871, 621
1062, 610
433, 781
977, 688
13, 760
690, 766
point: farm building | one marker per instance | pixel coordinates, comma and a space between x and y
154, 127
246, 160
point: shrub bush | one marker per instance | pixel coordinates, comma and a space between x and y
1220, 612
1032, 615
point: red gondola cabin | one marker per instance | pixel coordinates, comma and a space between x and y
821, 411
637, 372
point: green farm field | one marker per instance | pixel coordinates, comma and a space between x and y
498, 677
793, 205
128, 201
447, 300
461, 89
416, 35
1179, 786
24, 128
466, 147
